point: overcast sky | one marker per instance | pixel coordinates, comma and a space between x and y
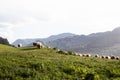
42, 18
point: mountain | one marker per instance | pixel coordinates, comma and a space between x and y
25, 42
28, 42
59, 36
4, 41
104, 43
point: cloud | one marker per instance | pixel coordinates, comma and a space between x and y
5, 25
9, 23
6, 30
22, 18
7, 34
12, 19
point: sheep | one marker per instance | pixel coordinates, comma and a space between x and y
102, 57
80, 54
88, 55
108, 57
34, 43
112, 57
39, 45
19, 45
117, 58
97, 55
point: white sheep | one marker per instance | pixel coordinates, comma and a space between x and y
108, 57
80, 54
102, 57
34, 43
19, 45
117, 58
88, 55
39, 45
97, 56
112, 57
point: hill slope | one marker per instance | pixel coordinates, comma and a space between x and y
30, 63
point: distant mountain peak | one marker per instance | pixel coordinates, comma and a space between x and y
59, 36
65, 34
27, 42
116, 29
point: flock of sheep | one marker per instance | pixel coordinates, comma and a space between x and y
98, 56
40, 45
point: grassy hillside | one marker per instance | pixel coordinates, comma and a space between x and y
30, 63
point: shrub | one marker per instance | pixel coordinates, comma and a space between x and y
70, 53
55, 48
61, 52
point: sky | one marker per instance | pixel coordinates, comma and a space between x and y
22, 19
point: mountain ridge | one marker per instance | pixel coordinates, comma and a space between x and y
28, 42
107, 43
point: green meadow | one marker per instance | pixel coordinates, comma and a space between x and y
30, 63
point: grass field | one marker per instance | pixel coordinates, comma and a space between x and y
30, 63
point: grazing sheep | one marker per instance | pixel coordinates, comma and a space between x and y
34, 43
112, 57
19, 45
88, 55
102, 57
80, 54
108, 57
97, 55
39, 45
117, 58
